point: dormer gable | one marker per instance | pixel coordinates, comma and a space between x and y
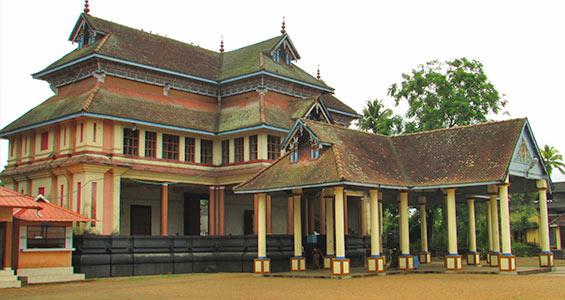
284, 51
84, 33
527, 160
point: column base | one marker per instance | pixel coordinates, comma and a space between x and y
340, 266
425, 258
507, 263
328, 261
376, 264
488, 258
494, 259
261, 265
297, 264
546, 260
473, 258
406, 262
453, 262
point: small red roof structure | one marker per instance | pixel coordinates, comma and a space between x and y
11, 198
48, 213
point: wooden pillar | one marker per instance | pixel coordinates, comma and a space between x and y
322, 213
557, 238
255, 213
261, 226
311, 215
212, 211
345, 214
304, 205
423, 224
330, 233
404, 232
375, 240
222, 210
489, 226
381, 220
164, 209
269, 215
363, 215
494, 222
472, 230
8, 239
297, 262
289, 216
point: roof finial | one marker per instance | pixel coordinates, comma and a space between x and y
86, 7
283, 27
222, 45
318, 76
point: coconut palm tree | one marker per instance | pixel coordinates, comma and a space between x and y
378, 119
553, 159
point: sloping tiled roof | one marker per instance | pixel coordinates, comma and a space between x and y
334, 103
447, 157
49, 213
138, 46
10, 198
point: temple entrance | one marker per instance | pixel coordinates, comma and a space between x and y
140, 220
248, 222
191, 214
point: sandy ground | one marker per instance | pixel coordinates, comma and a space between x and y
248, 286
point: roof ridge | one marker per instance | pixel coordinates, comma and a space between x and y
460, 127
345, 128
91, 96
151, 34
254, 44
338, 163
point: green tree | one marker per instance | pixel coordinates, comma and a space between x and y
552, 159
441, 95
378, 119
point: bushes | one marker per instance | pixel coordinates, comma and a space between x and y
524, 249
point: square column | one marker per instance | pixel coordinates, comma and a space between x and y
330, 234
212, 211
506, 261
405, 260
221, 210
340, 264
489, 229
164, 209
425, 255
557, 238
297, 262
545, 257
493, 194
261, 264
376, 262
453, 259
473, 257
289, 215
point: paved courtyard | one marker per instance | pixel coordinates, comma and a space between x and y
248, 286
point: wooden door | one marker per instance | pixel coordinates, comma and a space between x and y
191, 214
140, 220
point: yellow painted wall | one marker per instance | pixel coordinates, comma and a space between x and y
44, 259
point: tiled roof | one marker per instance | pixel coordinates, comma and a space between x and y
447, 157
334, 103
134, 45
49, 213
10, 198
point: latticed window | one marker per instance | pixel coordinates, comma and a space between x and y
206, 154
170, 146
273, 147
131, 142
238, 143
253, 147
225, 152
45, 236
150, 144
189, 149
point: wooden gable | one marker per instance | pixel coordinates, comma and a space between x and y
527, 161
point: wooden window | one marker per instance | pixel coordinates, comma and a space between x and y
189, 149
44, 140
225, 152
314, 152
294, 155
41, 191
131, 142
238, 143
150, 144
253, 147
273, 147
170, 146
46, 236
206, 153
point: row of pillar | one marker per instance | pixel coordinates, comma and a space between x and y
335, 232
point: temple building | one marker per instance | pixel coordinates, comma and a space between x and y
147, 135
183, 159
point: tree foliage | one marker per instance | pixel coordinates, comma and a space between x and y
553, 159
378, 119
441, 95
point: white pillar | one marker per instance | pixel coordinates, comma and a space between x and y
543, 222
494, 221
451, 222
404, 232
261, 226
472, 230
489, 226
375, 236
505, 219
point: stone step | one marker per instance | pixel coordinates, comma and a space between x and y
10, 284
8, 278
6, 272
34, 279
45, 271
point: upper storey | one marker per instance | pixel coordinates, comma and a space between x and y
109, 41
